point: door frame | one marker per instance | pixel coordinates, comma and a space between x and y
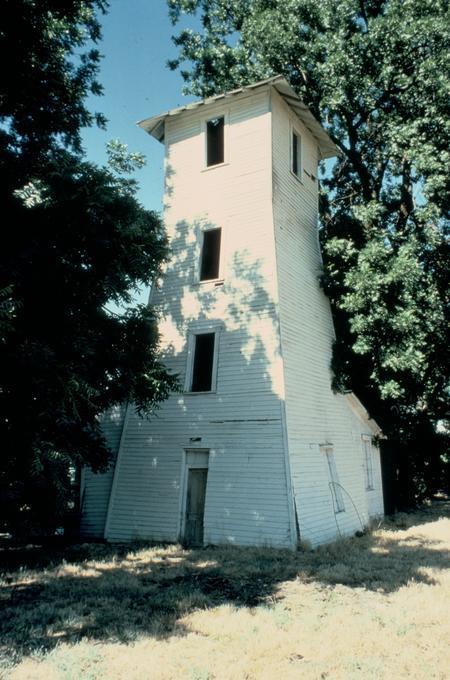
186, 466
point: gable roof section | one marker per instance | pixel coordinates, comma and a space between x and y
156, 124
362, 413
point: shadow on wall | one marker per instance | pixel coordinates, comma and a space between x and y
244, 412
119, 592
240, 298
250, 371
250, 363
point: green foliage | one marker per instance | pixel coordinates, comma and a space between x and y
376, 74
78, 243
46, 78
121, 162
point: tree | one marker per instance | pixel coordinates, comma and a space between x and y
375, 73
77, 241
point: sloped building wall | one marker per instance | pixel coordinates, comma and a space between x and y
315, 416
240, 424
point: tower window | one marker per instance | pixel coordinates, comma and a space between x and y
210, 257
215, 141
203, 362
296, 154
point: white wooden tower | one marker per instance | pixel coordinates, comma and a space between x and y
255, 449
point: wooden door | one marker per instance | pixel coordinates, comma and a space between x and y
195, 506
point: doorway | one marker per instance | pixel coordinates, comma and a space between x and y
196, 480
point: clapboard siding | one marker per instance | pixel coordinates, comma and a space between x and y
241, 423
273, 406
314, 414
96, 487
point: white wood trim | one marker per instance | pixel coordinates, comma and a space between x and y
204, 457
116, 470
202, 328
181, 499
295, 537
186, 466
362, 414
225, 114
366, 440
327, 450
293, 129
293, 533
200, 230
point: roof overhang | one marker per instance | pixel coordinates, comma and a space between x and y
155, 125
362, 413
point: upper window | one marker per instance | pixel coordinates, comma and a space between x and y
296, 154
201, 373
210, 256
215, 151
336, 488
368, 462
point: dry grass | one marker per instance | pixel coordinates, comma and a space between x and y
371, 607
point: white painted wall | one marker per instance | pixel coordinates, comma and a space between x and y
241, 423
95, 488
314, 414
264, 424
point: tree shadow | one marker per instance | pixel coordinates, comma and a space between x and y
245, 406
122, 592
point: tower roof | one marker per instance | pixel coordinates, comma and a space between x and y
155, 125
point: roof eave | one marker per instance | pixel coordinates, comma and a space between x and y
156, 124
327, 147
362, 412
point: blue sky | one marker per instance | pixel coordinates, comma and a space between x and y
137, 84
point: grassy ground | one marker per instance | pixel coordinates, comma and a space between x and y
370, 607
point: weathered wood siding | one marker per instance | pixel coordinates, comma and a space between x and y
273, 408
315, 416
241, 423
95, 488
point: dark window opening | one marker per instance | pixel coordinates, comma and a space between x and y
214, 141
296, 161
209, 268
202, 369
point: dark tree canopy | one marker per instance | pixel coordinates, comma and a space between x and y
376, 74
76, 242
